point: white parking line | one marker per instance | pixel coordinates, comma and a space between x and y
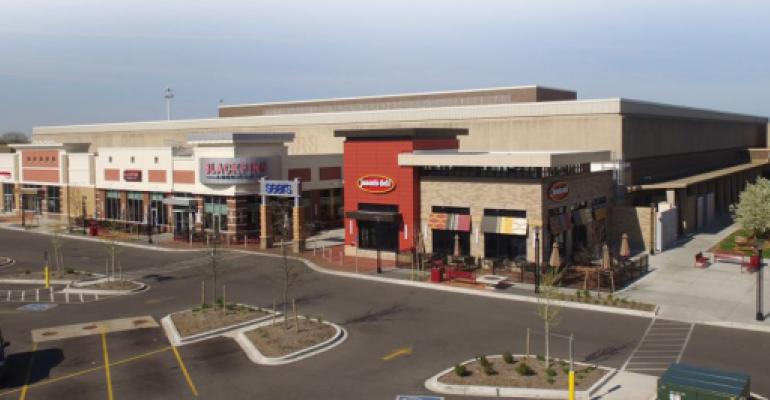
662, 344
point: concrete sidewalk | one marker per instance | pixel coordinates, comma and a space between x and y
718, 295
628, 386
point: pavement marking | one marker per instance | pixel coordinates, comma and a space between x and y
184, 371
89, 370
106, 365
404, 351
158, 300
89, 328
655, 352
25, 388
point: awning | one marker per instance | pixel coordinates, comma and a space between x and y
450, 222
600, 213
505, 225
378, 216
181, 201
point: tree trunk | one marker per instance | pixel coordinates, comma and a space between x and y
547, 341
285, 286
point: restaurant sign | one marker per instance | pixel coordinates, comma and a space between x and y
558, 191
376, 184
280, 188
132, 175
236, 170
6, 175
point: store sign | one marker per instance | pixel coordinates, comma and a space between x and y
228, 171
280, 188
558, 191
376, 184
6, 175
132, 175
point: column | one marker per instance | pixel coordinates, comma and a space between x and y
146, 209
43, 195
17, 197
101, 201
236, 224
199, 217
170, 215
332, 204
265, 232
2, 197
298, 243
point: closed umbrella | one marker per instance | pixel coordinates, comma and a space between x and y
555, 260
456, 252
606, 263
625, 249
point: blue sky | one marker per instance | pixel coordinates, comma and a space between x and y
88, 61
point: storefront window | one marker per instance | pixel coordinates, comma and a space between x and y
9, 202
450, 227
134, 207
112, 205
53, 199
158, 210
215, 212
505, 233
32, 202
375, 235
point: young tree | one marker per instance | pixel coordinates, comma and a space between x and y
216, 265
290, 274
547, 309
753, 209
111, 238
56, 246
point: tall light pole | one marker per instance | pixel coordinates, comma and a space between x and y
537, 260
168, 94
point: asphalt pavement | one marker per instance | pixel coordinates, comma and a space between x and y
428, 330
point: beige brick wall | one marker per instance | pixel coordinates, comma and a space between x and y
636, 222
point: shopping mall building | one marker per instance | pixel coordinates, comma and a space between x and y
492, 167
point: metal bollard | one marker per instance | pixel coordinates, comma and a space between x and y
37, 295
52, 298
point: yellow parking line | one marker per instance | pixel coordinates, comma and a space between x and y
24, 389
184, 371
106, 365
89, 370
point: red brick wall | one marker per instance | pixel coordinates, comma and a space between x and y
40, 158
40, 175
301, 173
380, 157
111, 174
183, 176
156, 176
329, 173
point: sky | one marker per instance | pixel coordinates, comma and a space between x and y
91, 61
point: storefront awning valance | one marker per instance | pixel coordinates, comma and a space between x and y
180, 201
505, 225
600, 213
449, 222
378, 216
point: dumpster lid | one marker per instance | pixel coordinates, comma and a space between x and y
730, 383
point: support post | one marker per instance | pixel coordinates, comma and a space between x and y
537, 260
571, 367
760, 313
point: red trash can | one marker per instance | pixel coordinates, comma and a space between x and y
435, 275
754, 262
93, 229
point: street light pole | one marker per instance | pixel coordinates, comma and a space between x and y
378, 236
760, 313
83, 206
168, 94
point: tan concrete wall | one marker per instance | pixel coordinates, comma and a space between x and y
636, 222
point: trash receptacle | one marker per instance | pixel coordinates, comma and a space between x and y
682, 381
754, 262
93, 229
435, 275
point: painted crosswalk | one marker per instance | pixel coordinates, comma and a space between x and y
45, 296
663, 343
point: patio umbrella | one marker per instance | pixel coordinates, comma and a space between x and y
555, 260
420, 247
456, 252
625, 249
606, 263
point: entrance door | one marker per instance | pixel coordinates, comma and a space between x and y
182, 223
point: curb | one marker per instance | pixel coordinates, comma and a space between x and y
35, 281
736, 325
257, 357
433, 286
434, 385
78, 287
177, 339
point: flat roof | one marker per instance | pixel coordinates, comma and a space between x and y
684, 182
449, 113
417, 133
393, 96
233, 138
541, 159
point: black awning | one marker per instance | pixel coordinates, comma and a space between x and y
380, 216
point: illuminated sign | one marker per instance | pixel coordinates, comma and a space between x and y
6, 175
227, 171
558, 191
280, 188
376, 184
132, 175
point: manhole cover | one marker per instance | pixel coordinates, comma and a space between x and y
138, 322
37, 307
49, 333
89, 327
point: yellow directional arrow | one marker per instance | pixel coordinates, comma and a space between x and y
404, 351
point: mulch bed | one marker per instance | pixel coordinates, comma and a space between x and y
190, 322
508, 377
19, 273
276, 340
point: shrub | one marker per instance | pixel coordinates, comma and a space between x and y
508, 358
484, 362
205, 306
460, 370
69, 271
196, 309
26, 271
489, 371
550, 380
524, 370
220, 302
550, 372
540, 358
565, 369
579, 294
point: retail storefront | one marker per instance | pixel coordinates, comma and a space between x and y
479, 204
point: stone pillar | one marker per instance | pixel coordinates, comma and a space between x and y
477, 249
43, 195
298, 242
171, 216
123, 205
198, 222
101, 201
265, 231
17, 197
236, 211
146, 209
2, 197
671, 197
332, 205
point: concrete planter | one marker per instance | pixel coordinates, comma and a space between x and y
340, 335
82, 287
434, 385
177, 339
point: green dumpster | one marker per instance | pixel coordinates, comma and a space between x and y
686, 382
